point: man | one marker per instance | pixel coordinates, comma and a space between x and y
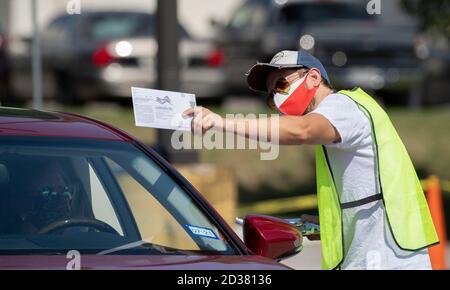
373, 213
44, 196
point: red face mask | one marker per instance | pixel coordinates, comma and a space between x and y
296, 100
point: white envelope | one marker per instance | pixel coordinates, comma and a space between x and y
162, 109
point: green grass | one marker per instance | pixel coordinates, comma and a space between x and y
426, 135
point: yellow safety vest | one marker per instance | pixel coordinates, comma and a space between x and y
401, 192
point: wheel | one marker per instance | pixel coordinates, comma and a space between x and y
66, 89
63, 224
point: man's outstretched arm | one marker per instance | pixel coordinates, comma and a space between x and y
292, 130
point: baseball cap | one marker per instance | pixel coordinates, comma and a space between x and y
257, 75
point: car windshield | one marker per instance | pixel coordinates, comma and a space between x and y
107, 26
251, 15
318, 12
99, 197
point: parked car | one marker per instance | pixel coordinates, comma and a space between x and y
434, 51
68, 182
4, 69
357, 49
102, 54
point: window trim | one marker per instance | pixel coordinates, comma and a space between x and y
117, 200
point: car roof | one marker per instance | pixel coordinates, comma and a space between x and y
28, 122
94, 13
282, 3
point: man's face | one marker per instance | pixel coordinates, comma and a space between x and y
279, 79
292, 75
41, 200
275, 75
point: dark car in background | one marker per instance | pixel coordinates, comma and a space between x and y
356, 48
101, 54
4, 68
69, 183
434, 51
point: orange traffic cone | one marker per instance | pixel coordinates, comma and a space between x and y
437, 253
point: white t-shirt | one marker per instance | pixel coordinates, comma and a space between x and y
368, 241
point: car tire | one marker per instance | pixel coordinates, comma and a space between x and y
66, 89
8, 98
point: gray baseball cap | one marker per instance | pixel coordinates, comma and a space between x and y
257, 75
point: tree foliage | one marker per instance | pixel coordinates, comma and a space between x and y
434, 15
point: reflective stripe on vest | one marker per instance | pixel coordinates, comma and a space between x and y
404, 201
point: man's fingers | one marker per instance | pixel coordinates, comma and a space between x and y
208, 121
188, 112
196, 120
199, 110
197, 124
208, 125
193, 111
203, 119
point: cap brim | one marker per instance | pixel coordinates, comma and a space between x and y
257, 75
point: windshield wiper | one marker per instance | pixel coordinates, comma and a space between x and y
144, 245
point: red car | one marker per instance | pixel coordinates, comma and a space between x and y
78, 193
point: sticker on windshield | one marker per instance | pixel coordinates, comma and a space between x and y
202, 232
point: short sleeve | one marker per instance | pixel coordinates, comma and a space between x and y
350, 122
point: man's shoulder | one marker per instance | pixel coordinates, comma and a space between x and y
340, 109
337, 98
337, 103
350, 122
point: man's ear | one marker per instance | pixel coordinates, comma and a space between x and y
315, 77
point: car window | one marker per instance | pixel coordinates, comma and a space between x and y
58, 31
117, 25
249, 16
317, 12
102, 209
97, 196
146, 210
107, 26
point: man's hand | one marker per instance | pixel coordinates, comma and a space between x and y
203, 119
311, 219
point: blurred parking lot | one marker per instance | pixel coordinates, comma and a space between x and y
101, 51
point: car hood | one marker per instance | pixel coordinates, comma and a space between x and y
140, 262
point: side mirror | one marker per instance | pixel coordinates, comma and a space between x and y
271, 237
